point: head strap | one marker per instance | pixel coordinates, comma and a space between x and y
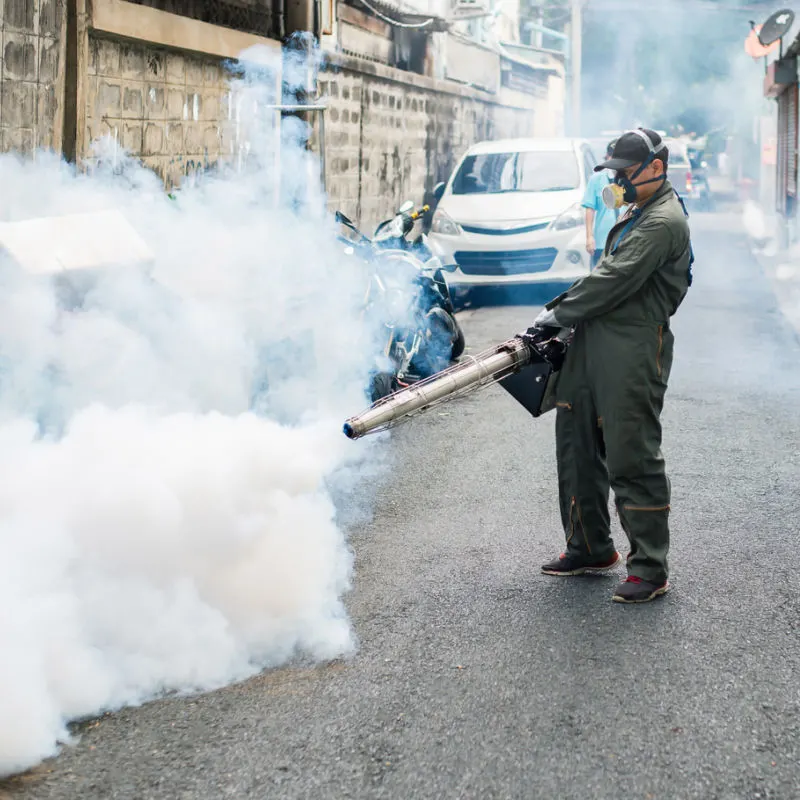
649, 142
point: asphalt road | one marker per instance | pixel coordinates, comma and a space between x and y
478, 677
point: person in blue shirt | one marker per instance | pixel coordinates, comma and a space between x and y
599, 219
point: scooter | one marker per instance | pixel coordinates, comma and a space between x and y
700, 194
422, 337
396, 233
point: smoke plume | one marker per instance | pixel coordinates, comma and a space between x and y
168, 431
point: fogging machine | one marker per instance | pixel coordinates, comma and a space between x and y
525, 366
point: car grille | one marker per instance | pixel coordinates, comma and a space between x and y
538, 226
506, 262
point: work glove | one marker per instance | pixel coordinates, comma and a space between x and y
539, 333
544, 327
546, 319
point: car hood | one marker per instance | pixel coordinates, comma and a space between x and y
508, 207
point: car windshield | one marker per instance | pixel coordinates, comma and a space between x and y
493, 173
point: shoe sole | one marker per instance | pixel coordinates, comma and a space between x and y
582, 570
657, 593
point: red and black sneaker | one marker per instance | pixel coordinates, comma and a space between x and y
637, 590
566, 565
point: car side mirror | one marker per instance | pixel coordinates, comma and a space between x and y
438, 191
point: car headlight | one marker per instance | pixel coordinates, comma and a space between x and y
442, 223
573, 217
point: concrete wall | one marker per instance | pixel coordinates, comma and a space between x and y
157, 84
168, 107
392, 136
31, 71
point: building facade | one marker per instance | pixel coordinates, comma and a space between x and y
781, 85
407, 85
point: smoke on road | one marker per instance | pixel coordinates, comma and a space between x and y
168, 436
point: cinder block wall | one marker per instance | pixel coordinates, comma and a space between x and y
168, 107
31, 65
391, 137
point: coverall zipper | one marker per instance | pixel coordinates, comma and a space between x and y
660, 346
574, 507
583, 528
571, 521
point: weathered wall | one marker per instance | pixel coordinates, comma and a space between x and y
31, 72
389, 134
168, 107
392, 136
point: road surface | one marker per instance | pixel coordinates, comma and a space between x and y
478, 677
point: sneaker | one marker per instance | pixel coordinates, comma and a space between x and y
566, 565
636, 590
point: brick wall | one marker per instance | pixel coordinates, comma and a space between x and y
31, 60
169, 107
392, 136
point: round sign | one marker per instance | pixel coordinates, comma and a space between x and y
753, 46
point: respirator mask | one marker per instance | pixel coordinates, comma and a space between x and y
623, 189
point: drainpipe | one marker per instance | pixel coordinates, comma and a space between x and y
303, 18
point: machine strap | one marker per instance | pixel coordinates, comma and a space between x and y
636, 215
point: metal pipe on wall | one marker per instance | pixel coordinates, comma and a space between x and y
305, 17
279, 12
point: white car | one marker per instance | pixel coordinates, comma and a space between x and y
511, 213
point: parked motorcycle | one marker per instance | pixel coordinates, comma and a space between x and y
407, 291
698, 188
396, 233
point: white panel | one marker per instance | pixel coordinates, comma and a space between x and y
92, 240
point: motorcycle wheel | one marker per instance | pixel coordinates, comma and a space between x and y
381, 385
460, 342
435, 354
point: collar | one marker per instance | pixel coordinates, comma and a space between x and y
633, 212
659, 196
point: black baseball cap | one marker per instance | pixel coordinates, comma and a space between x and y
632, 148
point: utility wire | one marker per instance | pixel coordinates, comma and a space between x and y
395, 22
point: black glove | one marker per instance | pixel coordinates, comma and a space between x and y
537, 334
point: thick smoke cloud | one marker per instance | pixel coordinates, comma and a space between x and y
682, 63
168, 432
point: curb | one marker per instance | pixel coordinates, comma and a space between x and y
786, 292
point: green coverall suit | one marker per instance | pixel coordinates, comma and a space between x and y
611, 388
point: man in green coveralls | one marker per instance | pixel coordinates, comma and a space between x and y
611, 388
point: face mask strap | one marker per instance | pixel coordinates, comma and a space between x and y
654, 151
628, 183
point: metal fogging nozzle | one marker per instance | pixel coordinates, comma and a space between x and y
470, 374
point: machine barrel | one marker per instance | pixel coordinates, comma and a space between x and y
487, 367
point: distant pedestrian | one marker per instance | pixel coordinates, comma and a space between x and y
599, 219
